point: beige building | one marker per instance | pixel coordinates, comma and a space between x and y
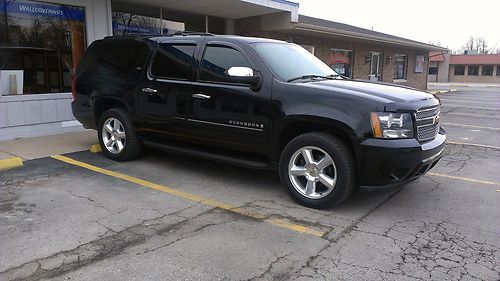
444, 67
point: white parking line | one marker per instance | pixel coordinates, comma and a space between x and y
469, 126
471, 101
471, 107
480, 97
471, 115
473, 144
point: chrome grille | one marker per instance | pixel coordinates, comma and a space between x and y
427, 123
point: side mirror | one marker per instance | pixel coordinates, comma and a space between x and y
245, 75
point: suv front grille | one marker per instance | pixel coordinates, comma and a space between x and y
427, 123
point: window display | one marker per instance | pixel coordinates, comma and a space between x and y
341, 62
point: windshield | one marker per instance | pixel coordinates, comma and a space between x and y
289, 61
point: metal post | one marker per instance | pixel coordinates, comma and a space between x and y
7, 39
206, 24
161, 21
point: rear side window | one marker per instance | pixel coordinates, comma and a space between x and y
114, 57
217, 60
173, 61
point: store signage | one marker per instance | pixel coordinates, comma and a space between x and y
136, 29
63, 12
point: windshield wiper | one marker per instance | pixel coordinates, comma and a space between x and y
310, 76
335, 76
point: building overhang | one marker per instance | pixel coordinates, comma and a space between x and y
230, 9
282, 24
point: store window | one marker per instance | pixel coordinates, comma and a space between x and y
40, 46
341, 62
400, 67
217, 60
173, 62
130, 18
459, 69
487, 70
498, 69
433, 70
473, 70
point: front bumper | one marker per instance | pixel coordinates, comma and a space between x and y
389, 163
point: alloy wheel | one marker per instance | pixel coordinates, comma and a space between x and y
312, 172
113, 135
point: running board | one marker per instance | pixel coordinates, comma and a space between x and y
223, 158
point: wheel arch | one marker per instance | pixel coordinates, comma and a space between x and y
291, 127
101, 104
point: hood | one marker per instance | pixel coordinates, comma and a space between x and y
394, 96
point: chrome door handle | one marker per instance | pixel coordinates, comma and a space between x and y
201, 96
149, 90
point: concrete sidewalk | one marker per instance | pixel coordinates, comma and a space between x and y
39, 147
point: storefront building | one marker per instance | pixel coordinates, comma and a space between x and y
465, 68
42, 42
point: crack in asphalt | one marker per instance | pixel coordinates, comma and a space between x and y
105, 246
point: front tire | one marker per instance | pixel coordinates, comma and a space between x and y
317, 169
117, 136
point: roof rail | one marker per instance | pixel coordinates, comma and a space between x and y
178, 33
186, 33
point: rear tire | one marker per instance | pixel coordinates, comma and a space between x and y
117, 136
317, 170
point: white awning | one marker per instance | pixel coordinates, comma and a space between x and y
231, 9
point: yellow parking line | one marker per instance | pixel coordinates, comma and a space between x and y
470, 126
193, 197
463, 179
473, 144
10, 163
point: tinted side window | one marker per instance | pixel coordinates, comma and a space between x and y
217, 60
114, 58
173, 61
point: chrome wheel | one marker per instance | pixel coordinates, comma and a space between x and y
312, 172
113, 135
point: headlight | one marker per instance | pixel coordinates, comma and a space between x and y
390, 125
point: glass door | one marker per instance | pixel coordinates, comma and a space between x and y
375, 67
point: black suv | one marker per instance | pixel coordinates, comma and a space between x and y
258, 103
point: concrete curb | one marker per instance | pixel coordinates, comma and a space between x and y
437, 92
11, 163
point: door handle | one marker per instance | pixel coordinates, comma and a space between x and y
149, 90
201, 96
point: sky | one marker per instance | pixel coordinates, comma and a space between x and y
449, 23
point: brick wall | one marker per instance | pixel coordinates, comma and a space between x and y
474, 78
323, 47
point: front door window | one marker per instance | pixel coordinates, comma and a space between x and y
375, 67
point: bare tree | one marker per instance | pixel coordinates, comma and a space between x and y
477, 43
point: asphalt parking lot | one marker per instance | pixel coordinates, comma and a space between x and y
165, 217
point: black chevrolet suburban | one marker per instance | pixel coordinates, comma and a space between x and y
257, 103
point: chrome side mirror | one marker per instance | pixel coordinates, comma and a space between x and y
240, 71
245, 75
